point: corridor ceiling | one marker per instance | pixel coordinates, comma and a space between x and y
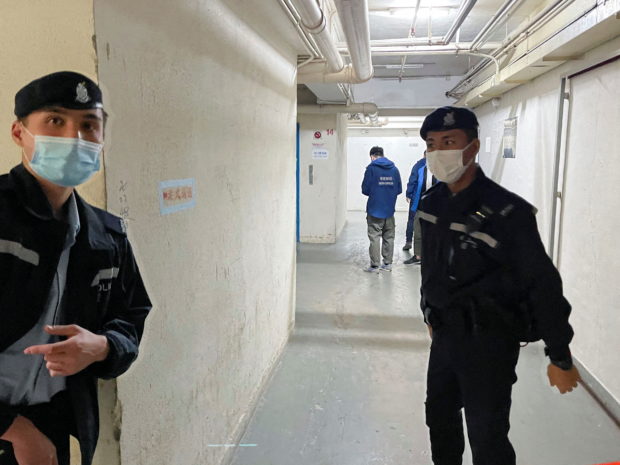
423, 57
392, 85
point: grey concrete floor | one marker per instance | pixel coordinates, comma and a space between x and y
349, 388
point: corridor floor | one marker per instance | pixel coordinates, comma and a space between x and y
349, 388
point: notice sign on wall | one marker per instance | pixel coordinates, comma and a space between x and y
320, 153
176, 195
509, 140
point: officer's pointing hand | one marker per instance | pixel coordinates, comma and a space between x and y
564, 380
68, 357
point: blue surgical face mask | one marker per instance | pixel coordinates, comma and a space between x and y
65, 161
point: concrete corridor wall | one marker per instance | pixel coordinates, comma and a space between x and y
202, 90
323, 177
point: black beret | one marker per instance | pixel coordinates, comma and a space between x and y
446, 118
376, 150
64, 89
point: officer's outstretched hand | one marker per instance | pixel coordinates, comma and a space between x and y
81, 349
564, 380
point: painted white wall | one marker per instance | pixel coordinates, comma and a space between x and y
41, 38
403, 151
202, 90
589, 256
322, 204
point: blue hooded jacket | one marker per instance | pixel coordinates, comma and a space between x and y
417, 184
382, 185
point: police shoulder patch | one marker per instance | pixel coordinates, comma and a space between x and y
114, 223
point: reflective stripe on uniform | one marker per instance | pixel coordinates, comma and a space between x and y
427, 216
484, 237
108, 273
19, 251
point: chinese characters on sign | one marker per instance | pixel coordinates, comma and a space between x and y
176, 195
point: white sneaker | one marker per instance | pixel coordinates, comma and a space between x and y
372, 269
386, 267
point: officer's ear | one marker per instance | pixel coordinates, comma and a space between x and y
17, 132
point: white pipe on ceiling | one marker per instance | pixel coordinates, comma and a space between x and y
466, 7
314, 53
504, 11
513, 39
422, 49
353, 16
369, 109
314, 22
397, 45
318, 73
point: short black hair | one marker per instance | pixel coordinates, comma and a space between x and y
376, 151
471, 134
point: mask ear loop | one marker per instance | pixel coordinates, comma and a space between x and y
26, 129
473, 158
33, 138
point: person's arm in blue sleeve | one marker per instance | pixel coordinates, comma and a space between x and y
367, 182
412, 185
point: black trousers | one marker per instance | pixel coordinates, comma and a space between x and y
409, 231
474, 372
55, 420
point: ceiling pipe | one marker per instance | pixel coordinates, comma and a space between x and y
462, 14
294, 18
403, 60
378, 51
314, 22
369, 109
318, 73
512, 41
507, 8
353, 16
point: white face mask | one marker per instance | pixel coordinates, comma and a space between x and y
447, 165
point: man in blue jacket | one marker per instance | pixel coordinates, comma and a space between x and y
415, 187
382, 185
419, 181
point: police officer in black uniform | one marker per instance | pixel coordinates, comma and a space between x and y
487, 284
72, 302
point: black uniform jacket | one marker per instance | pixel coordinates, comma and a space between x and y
482, 253
105, 293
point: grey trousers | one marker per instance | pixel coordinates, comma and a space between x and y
378, 229
417, 236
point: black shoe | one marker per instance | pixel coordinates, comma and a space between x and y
407, 246
413, 260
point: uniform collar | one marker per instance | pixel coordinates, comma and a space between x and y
30, 193
464, 199
35, 202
